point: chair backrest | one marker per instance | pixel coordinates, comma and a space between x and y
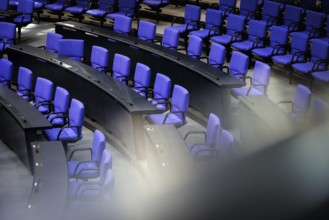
314, 20
83, 3
271, 9
146, 31
256, 29
7, 32
302, 100
213, 18
225, 144
292, 14
25, 6
122, 24
170, 38
99, 58
105, 164
76, 116
261, 76
180, 102
217, 55
279, 36
227, 3
44, 90
192, 13
121, 66
142, 78
98, 146
24, 80
194, 48
213, 129
320, 51
239, 64
162, 87
235, 23
6, 72
128, 6
248, 6
61, 100
4, 5
52, 41
71, 48
104, 4
299, 43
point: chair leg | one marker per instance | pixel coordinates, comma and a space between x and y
19, 34
158, 16
311, 83
60, 16
38, 16
102, 22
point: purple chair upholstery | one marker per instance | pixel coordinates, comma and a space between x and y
322, 76
79, 9
121, 68
217, 55
248, 8
170, 38
142, 79
178, 110
292, 18
60, 106
6, 73
313, 24
258, 83
191, 19
52, 42
104, 6
4, 5
122, 24
89, 169
58, 7
146, 31
126, 8
73, 131
99, 58
156, 5
271, 13
13, 3
161, 91
25, 83
226, 6
7, 35
238, 65
194, 48
43, 95
26, 8
71, 48
225, 145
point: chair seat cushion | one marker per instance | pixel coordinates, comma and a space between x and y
114, 15
224, 39
201, 155
283, 60
66, 135
322, 76
154, 3
83, 174
202, 33
74, 9
243, 46
236, 92
26, 20
182, 28
43, 109
55, 7
303, 67
263, 52
38, 5
96, 12
85, 189
158, 119
22, 95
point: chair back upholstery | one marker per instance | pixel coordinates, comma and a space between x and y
146, 31
98, 146
99, 58
122, 24
71, 48
180, 102
302, 100
52, 41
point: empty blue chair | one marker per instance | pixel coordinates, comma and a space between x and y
79, 9
71, 48
142, 79
146, 31
121, 68
178, 109
212, 25
156, 5
43, 95
217, 54
52, 42
99, 58
58, 7
104, 7
278, 43
170, 38
59, 113
7, 35
194, 48
238, 65
256, 37
258, 82
292, 18
38, 5
26, 8
326, 37
161, 91
24, 83
126, 8
81, 169
322, 76
73, 131
313, 24
271, 13
122, 24
320, 110
13, 3
6, 73
4, 5
248, 9
207, 148
234, 31
225, 146
226, 6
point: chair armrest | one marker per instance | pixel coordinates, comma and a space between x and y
194, 24
78, 150
195, 132
212, 150
215, 29
82, 170
246, 77
257, 41
296, 56
42, 103
293, 25
316, 65
262, 85
313, 32
166, 117
235, 35
177, 18
83, 184
287, 102
276, 48
66, 127
227, 69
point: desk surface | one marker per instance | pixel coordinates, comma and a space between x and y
9, 13
216, 76
132, 101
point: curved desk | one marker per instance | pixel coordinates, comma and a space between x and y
209, 87
115, 106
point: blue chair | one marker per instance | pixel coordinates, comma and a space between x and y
191, 21
99, 58
292, 19
258, 82
121, 68
156, 5
59, 108
225, 146
226, 6
7, 36
207, 148
313, 24
238, 65
43, 95
307, 4
81, 169
38, 5
317, 62
194, 48
216, 57
126, 8
71, 48
322, 76
248, 9
73, 131
52, 42
26, 8
161, 92
256, 37
6, 73
122, 24
234, 31
104, 7
146, 31
58, 7
320, 111
79, 9
278, 44
271, 13
170, 38
4, 5
178, 109
326, 37
13, 3
25, 83
142, 78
